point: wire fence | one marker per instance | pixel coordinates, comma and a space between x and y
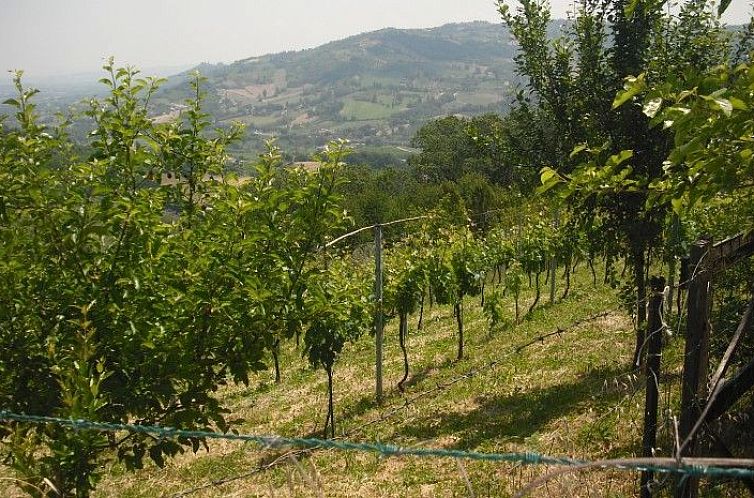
719, 467
432, 393
731, 468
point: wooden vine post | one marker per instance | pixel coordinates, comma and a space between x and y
379, 318
675, 237
700, 404
696, 357
654, 334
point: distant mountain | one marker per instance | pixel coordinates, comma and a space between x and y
375, 88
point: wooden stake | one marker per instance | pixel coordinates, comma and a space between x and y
654, 338
696, 356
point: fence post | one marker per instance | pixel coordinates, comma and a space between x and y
654, 339
696, 355
379, 323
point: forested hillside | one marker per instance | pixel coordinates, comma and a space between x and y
374, 89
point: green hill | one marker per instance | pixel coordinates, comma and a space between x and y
375, 88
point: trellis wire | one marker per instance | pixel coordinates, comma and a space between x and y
718, 467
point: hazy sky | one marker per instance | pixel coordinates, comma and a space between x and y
73, 36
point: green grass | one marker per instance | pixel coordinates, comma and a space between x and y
477, 98
360, 110
573, 395
559, 397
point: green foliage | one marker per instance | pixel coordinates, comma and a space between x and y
478, 149
442, 278
443, 143
493, 309
339, 313
337, 318
514, 281
124, 300
407, 275
712, 121
467, 262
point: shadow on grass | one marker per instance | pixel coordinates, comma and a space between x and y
514, 416
367, 402
418, 377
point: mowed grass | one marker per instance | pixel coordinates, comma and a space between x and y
573, 394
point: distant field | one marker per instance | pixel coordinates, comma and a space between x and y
478, 98
362, 111
258, 121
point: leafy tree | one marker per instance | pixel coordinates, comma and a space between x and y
97, 294
297, 211
480, 198
444, 149
452, 147
575, 78
194, 163
711, 120
488, 149
340, 313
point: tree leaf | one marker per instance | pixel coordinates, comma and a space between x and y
576, 150
724, 105
549, 178
631, 87
621, 157
677, 204
546, 175
738, 104
719, 103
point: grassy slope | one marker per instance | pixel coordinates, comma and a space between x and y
571, 395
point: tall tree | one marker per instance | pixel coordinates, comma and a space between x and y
574, 79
